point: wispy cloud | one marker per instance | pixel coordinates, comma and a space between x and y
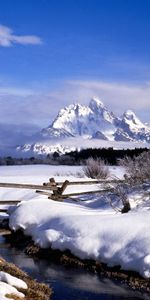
40, 106
115, 94
14, 91
8, 38
21, 105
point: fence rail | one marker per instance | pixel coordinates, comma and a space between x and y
55, 190
84, 182
9, 202
27, 186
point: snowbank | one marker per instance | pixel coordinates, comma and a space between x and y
116, 239
9, 285
20, 284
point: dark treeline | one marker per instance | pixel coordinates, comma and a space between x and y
109, 155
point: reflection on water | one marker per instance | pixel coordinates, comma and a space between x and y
68, 283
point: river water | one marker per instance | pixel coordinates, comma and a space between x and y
67, 283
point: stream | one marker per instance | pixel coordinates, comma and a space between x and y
68, 283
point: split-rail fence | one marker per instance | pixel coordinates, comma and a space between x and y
55, 190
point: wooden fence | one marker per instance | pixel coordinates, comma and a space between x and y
55, 190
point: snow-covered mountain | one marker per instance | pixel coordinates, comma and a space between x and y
79, 120
94, 121
132, 129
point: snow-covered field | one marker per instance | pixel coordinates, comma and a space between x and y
90, 228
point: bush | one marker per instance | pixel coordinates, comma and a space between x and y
138, 168
96, 168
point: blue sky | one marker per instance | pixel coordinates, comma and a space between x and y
55, 52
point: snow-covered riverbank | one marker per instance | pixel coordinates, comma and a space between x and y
116, 239
90, 229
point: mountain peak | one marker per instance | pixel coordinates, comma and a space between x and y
129, 114
89, 122
97, 121
130, 117
96, 103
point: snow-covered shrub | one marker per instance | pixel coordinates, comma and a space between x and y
96, 168
137, 168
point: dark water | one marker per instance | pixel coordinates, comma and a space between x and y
68, 284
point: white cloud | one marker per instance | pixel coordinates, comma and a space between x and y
8, 38
115, 94
25, 105
14, 91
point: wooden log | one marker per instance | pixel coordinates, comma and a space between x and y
43, 193
56, 197
62, 188
64, 196
58, 193
88, 192
89, 182
27, 186
51, 183
9, 202
3, 210
69, 196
